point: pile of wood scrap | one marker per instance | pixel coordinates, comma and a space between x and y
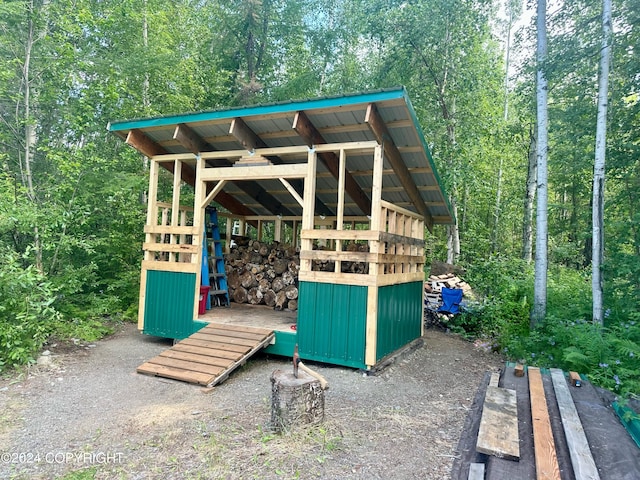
263, 274
434, 285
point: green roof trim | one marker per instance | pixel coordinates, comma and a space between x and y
268, 109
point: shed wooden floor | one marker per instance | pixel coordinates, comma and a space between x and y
259, 316
208, 356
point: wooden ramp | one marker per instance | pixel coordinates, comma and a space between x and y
208, 356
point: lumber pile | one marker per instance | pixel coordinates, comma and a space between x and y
499, 430
263, 274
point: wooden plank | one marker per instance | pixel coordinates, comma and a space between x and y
185, 365
214, 352
576, 381
495, 379
498, 434
237, 328
229, 331
313, 234
584, 466
223, 339
217, 345
170, 247
544, 446
476, 471
174, 373
171, 267
197, 358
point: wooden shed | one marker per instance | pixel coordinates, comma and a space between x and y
333, 170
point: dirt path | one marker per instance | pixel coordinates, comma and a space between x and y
91, 411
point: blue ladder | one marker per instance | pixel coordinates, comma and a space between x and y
213, 272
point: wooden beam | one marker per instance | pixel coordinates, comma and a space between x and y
146, 146
293, 192
190, 139
247, 137
544, 446
271, 172
212, 194
311, 136
379, 129
584, 466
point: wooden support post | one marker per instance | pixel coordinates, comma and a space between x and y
175, 204
518, 371
229, 230
295, 401
308, 213
277, 230
340, 213
374, 248
544, 446
198, 225
152, 220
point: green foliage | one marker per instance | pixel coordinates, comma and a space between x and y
609, 356
26, 310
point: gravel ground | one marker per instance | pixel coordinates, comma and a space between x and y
90, 415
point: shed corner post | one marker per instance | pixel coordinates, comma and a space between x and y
374, 248
198, 226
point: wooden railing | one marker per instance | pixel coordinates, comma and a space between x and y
171, 239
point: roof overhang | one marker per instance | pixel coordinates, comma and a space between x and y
410, 179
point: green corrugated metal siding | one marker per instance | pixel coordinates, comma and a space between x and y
332, 323
285, 343
399, 316
168, 306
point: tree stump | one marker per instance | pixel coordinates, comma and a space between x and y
295, 401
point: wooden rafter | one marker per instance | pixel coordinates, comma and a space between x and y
250, 141
145, 145
190, 140
310, 134
380, 130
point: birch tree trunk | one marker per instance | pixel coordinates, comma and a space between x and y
540, 281
30, 127
599, 172
529, 197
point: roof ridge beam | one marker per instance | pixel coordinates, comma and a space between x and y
310, 134
393, 155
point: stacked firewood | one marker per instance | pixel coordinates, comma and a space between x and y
263, 274
345, 266
433, 288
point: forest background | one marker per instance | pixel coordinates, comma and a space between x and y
71, 195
